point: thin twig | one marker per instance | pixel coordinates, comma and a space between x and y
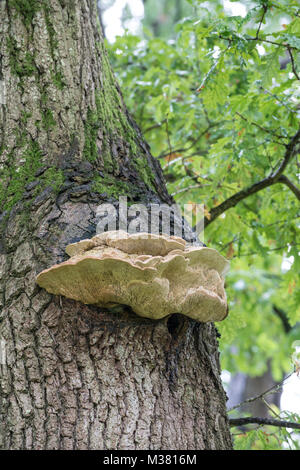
259, 40
270, 408
155, 126
195, 186
214, 66
280, 136
268, 250
235, 239
279, 100
293, 63
272, 411
280, 44
168, 136
265, 7
194, 141
272, 390
191, 174
285, 180
263, 421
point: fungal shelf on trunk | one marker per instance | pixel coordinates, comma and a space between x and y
156, 275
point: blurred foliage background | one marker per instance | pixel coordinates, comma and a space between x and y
214, 87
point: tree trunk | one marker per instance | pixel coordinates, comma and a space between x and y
76, 376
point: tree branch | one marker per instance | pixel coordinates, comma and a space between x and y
260, 40
194, 141
263, 128
293, 63
290, 151
188, 188
272, 390
155, 126
283, 317
295, 111
265, 8
251, 253
284, 179
273, 178
261, 421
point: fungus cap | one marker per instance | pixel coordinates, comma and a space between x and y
155, 275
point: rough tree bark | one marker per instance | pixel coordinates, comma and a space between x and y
75, 376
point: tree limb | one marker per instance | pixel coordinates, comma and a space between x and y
293, 63
285, 180
271, 390
265, 8
283, 317
273, 178
267, 421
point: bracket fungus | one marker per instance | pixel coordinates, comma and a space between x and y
155, 275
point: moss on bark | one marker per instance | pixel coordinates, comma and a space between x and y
20, 177
27, 9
